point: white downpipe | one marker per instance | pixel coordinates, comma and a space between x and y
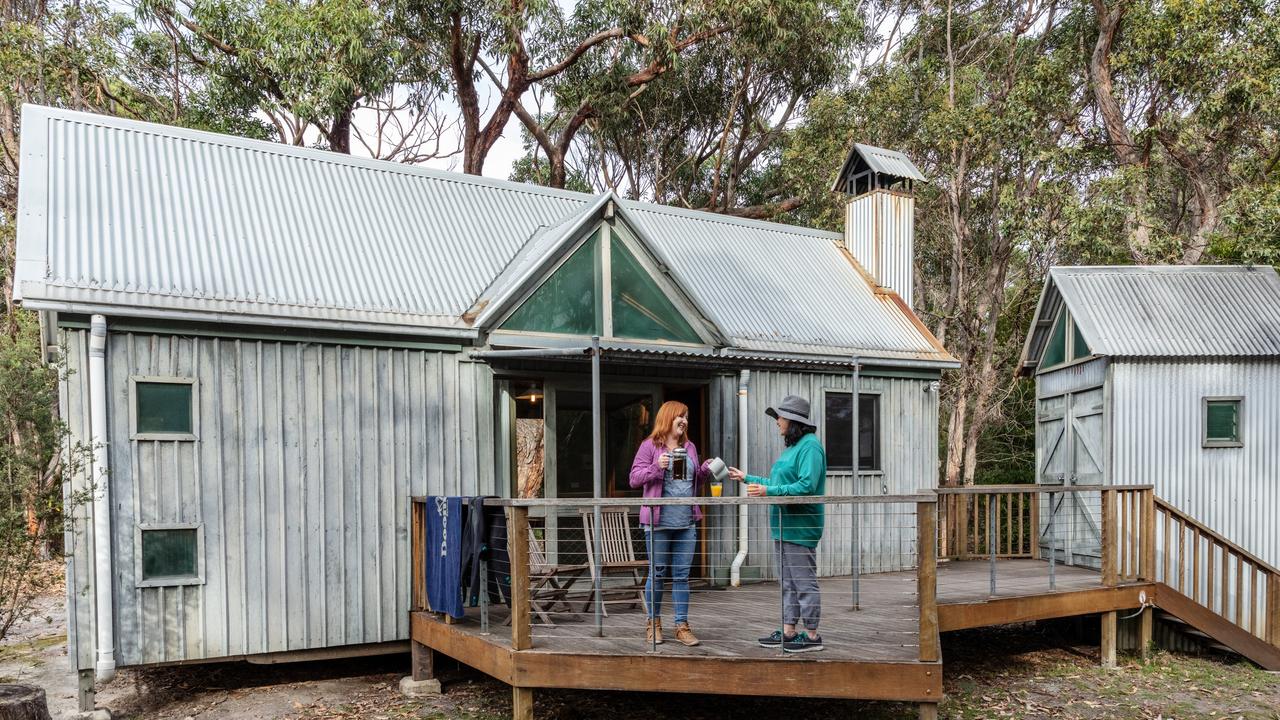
735, 570
106, 660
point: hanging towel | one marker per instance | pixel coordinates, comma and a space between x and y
444, 554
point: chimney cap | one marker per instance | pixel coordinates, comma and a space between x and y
869, 160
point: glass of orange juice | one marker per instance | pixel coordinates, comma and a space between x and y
717, 488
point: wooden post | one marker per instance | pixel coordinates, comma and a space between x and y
1109, 639
1146, 632
518, 550
962, 526
928, 711
1109, 575
1273, 609
927, 580
1147, 565
86, 695
1109, 537
1035, 526
423, 661
521, 703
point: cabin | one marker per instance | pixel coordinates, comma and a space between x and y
272, 349
1167, 376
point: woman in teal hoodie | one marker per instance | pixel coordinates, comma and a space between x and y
796, 529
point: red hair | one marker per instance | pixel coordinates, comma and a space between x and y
667, 415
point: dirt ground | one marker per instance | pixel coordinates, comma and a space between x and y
1040, 671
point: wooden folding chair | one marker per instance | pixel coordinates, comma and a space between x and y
549, 584
617, 557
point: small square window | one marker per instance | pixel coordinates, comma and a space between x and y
1222, 422
163, 408
169, 555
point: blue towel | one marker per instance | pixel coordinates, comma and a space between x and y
444, 554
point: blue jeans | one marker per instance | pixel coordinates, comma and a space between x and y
672, 552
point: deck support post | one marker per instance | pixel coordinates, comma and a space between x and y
1109, 640
928, 711
423, 671
521, 703
86, 693
1109, 574
1146, 632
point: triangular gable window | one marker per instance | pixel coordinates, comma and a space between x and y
641, 310
569, 301
1064, 344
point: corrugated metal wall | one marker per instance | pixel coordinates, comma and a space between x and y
880, 232
1157, 440
306, 458
909, 458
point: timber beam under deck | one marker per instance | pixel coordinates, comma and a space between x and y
842, 679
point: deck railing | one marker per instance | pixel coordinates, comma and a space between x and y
1104, 527
578, 567
1216, 573
1124, 531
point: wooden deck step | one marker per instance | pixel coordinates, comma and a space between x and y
1200, 620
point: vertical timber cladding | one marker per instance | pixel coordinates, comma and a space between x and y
306, 456
908, 453
73, 408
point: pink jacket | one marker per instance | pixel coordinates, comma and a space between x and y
647, 473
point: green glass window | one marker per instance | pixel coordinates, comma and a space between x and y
1055, 353
641, 310
1079, 348
569, 301
163, 407
170, 553
1222, 422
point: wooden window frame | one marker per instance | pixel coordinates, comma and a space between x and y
1068, 347
175, 580
1208, 442
853, 467
172, 380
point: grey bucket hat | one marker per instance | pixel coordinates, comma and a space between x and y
794, 408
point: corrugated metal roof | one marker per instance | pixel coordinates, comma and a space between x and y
1165, 311
881, 160
889, 162
155, 219
193, 220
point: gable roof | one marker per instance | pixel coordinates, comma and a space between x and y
1162, 311
138, 219
876, 159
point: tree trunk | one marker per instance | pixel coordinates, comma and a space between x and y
340, 133
23, 702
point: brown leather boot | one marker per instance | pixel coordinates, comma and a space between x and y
685, 636
653, 631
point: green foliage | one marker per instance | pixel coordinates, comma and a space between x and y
35, 459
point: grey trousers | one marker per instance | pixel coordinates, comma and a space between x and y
801, 601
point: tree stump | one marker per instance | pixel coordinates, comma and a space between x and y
23, 702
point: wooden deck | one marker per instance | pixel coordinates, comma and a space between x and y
871, 653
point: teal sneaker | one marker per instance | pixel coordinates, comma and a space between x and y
802, 643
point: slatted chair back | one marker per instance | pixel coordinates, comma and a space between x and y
616, 547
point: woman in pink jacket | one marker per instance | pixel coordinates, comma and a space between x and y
671, 530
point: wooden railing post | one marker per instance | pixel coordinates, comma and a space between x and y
1035, 526
1109, 619
1109, 537
1148, 562
518, 549
927, 579
417, 557
1273, 609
